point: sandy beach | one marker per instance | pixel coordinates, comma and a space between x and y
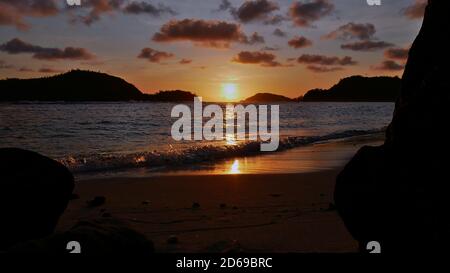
247, 212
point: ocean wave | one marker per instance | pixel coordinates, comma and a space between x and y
196, 154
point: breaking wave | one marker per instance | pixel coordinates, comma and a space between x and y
196, 154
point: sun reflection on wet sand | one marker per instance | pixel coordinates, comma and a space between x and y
234, 169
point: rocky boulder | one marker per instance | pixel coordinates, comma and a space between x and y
34, 192
396, 194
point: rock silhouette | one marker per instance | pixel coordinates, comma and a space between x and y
34, 192
396, 193
95, 237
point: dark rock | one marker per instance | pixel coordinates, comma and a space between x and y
96, 202
74, 196
96, 237
195, 205
34, 192
146, 202
223, 205
396, 193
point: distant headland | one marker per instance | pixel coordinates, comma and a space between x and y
358, 88
81, 85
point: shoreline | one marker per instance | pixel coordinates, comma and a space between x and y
241, 212
314, 157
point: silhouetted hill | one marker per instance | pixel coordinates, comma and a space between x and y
358, 88
79, 85
266, 97
170, 96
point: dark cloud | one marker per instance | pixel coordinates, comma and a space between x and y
144, 7
278, 32
185, 61
353, 30
389, 65
416, 10
14, 12
154, 56
300, 42
256, 57
323, 69
304, 14
252, 10
17, 46
326, 60
210, 33
397, 53
366, 46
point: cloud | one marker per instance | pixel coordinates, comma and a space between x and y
416, 10
256, 57
17, 46
96, 8
351, 31
300, 42
209, 33
326, 60
252, 10
93, 10
185, 61
25, 69
4, 65
278, 32
389, 65
224, 6
13, 12
304, 14
154, 56
49, 70
275, 20
366, 46
255, 38
148, 8
269, 48
397, 53
323, 69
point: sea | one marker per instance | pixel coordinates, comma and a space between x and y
109, 137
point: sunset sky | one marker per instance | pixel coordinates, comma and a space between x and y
216, 48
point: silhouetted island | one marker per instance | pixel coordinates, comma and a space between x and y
358, 88
80, 85
267, 97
